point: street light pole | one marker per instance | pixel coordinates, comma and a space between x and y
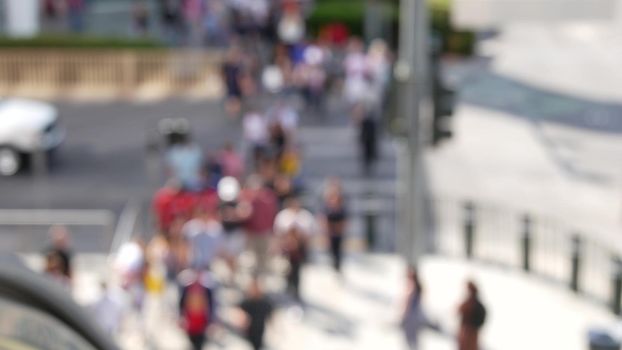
411, 73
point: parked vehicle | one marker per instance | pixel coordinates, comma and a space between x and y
27, 128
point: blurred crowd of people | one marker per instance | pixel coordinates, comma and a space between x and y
217, 209
61, 15
226, 218
185, 266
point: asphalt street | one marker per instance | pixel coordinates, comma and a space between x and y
104, 162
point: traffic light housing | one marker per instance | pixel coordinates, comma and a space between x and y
443, 100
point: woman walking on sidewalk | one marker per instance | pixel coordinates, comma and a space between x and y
335, 219
413, 319
472, 317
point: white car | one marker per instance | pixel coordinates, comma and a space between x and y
26, 128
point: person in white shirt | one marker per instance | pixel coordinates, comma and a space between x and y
357, 70
295, 215
287, 116
109, 310
256, 133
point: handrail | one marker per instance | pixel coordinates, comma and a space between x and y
126, 228
536, 244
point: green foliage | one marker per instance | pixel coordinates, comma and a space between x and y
349, 12
77, 42
453, 41
352, 14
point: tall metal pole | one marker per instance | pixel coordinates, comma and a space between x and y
374, 20
411, 73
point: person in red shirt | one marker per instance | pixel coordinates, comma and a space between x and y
162, 205
196, 307
258, 208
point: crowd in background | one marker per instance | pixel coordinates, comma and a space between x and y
227, 217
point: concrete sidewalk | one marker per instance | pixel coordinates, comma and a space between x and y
361, 309
537, 127
524, 311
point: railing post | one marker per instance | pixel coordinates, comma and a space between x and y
526, 242
575, 263
616, 297
469, 228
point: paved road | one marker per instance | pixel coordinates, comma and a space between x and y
103, 163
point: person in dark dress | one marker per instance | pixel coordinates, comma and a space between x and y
413, 318
472, 316
335, 219
368, 136
258, 309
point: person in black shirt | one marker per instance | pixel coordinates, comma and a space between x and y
335, 219
258, 310
232, 70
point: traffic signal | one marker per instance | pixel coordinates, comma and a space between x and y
443, 99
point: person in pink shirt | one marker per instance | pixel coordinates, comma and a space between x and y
231, 162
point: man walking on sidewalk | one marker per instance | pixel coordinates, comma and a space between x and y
258, 208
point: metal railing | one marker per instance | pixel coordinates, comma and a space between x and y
535, 244
43, 73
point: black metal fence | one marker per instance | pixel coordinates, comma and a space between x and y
535, 244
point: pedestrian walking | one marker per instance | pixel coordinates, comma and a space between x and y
140, 17
130, 264
256, 136
295, 215
472, 318
357, 79
335, 219
413, 318
184, 161
232, 71
294, 247
109, 310
178, 257
232, 163
171, 17
258, 208
75, 15
257, 309
379, 66
364, 115
205, 238
196, 306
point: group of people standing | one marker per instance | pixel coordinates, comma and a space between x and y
217, 23
211, 217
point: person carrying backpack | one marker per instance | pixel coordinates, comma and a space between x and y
196, 309
472, 318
